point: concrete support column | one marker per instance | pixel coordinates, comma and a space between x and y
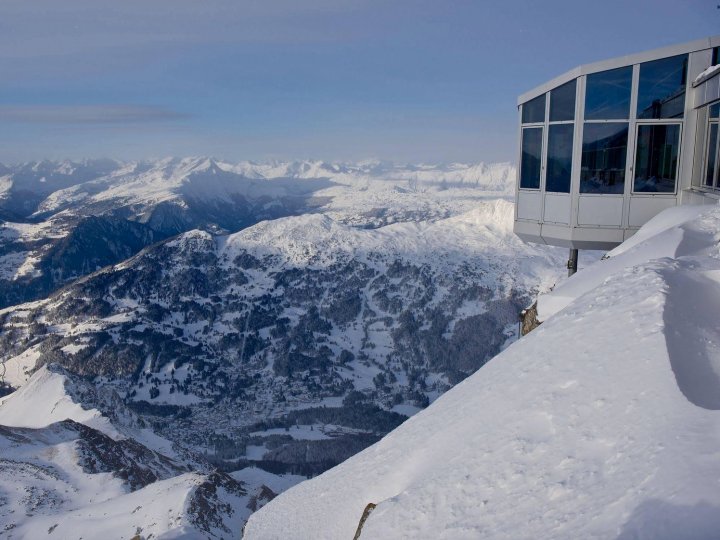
572, 262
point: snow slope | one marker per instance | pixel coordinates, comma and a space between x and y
160, 510
672, 235
67, 468
46, 401
602, 423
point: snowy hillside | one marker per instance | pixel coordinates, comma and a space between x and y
225, 342
602, 423
66, 469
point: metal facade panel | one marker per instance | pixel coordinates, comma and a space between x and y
600, 210
643, 209
557, 208
528, 231
529, 205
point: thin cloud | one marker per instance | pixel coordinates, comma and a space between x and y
89, 114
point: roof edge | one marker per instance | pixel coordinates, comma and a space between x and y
620, 61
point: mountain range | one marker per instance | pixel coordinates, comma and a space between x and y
266, 321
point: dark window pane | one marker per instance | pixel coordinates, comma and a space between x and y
715, 110
661, 93
559, 158
607, 95
534, 110
711, 154
562, 102
531, 156
715, 55
603, 158
656, 158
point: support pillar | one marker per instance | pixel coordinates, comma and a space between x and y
572, 262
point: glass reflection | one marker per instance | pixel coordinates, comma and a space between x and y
656, 158
531, 158
534, 110
559, 158
661, 93
607, 94
604, 152
562, 102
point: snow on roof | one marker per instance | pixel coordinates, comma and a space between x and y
709, 73
602, 423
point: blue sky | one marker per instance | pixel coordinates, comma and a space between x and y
406, 80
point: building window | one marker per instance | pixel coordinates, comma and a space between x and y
531, 159
559, 158
661, 93
533, 111
711, 155
656, 158
604, 152
715, 55
712, 151
607, 94
562, 102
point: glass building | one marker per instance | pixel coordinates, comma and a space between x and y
606, 146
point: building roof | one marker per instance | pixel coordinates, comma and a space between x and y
620, 61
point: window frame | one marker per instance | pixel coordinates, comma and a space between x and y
628, 144
572, 155
706, 156
541, 178
633, 167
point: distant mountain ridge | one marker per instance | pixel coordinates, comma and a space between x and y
119, 208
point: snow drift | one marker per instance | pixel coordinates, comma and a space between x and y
602, 423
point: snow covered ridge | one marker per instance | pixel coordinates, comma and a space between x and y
602, 423
63, 220
67, 470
